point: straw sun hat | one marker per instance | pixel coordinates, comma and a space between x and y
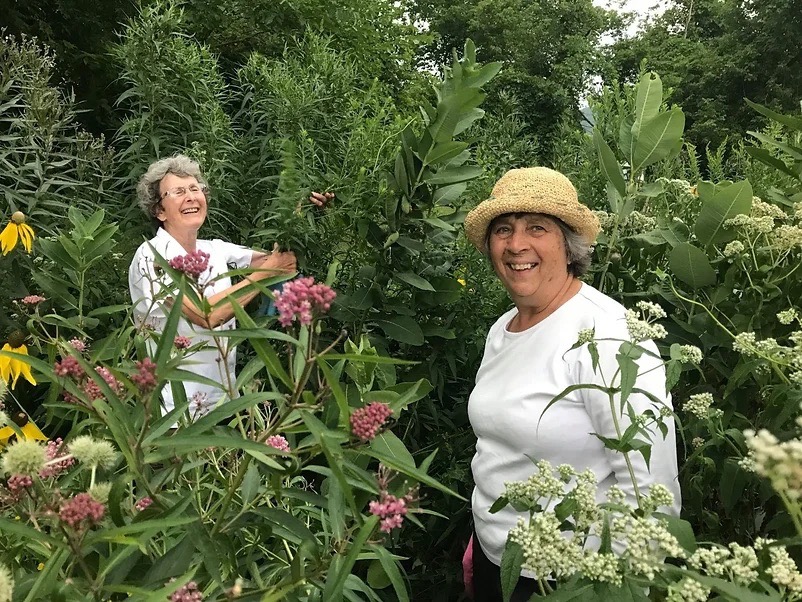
532, 190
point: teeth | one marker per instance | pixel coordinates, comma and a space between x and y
521, 266
192, 210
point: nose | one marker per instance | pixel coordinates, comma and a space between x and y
517, 241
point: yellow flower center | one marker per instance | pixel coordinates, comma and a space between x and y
18, 217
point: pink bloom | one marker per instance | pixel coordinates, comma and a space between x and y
279, 442
78, 345
192, 264
187, 593
390, 509
33, 299
56, 451
18, 482
301, 297
181, 342
145, 378
145, 502
366, 422
82, 507
92, 389
68, 366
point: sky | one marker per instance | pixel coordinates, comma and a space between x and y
641, 7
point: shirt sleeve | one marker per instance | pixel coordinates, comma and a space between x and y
662, 466
148, 285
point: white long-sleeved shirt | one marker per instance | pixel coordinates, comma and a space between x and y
521, 372
149, 287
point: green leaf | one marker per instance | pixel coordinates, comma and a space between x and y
691, 265
511, 561
415, 280
629, 374
388, 444
48, 577
444, 151
657, 138
733, 200
392, 572
609, 165
732, 484
335, 580
648, 100
453, 175
403, 329
764, 156
377, 576
681, 529
792, 122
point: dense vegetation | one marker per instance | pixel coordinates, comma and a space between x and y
278, 99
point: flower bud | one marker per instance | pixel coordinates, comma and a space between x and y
18, 217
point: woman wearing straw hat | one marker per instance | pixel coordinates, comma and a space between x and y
538, 237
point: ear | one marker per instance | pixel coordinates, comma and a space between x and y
159, 213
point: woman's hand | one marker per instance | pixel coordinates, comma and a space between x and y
321, 199
273, 264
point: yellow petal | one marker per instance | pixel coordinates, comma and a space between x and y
8, 238
25, 370
5, 365
32, 432
26, 236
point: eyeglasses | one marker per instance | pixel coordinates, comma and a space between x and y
181, 191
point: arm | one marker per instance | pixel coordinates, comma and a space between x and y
265, 265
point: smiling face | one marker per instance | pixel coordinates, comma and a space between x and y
181, 212
528, 254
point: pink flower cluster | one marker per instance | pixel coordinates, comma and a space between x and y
145, 377
366, 422
92, 389
82, 507
192, 264
69, 367
279, 442
33, 299
56, 451
18, 482
78, 345
144, 503
182, 342
300, 297
187, 593
390, 509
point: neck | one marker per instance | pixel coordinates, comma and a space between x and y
186, 238
529, 315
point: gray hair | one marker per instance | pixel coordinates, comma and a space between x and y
577, 249
147, 189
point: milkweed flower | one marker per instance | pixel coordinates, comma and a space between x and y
16, 230
81, 507
366, 421
299, 298
187, 593
12, 368
278, 442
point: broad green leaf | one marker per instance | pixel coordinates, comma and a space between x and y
609, 164
629, 374
647, 101
725, 204
388, 444
691, 265
453, 175
415, 280
764, 156
48, 577
792, 122
657, 138
403, 329
448, 194
392, 572
443, 152
511, 561
732, 484
338, 573
377, 576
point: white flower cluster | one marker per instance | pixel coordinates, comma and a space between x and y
699, 405
606, 220
734, 248
586, 335
690, 354
604, 567
787, 316
642, 327
676, 185
542, 484
697, 442
658, 496
761, 208
780, 462
688, 590
648, 542
93, 452
746, 343
786, 237
737, 563
636, 223
6, 584
750, 224
546, 552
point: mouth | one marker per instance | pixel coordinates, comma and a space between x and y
522, 267
190, 210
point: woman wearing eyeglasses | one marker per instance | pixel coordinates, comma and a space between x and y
173, 194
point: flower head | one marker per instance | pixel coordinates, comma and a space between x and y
192, 264
58, 459
143, 504
187, 593
390, 509
81, 507
699, 405
366, 421
145, 377
24, 457
182, 342
278, 442
301, 297
33, 300
16, 230
93, 452
12, 368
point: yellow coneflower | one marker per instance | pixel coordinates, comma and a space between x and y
16, 230
30, 431
12, 368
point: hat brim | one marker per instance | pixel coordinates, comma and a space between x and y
576, 215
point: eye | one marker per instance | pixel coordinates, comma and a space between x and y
501, 230
536, 228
